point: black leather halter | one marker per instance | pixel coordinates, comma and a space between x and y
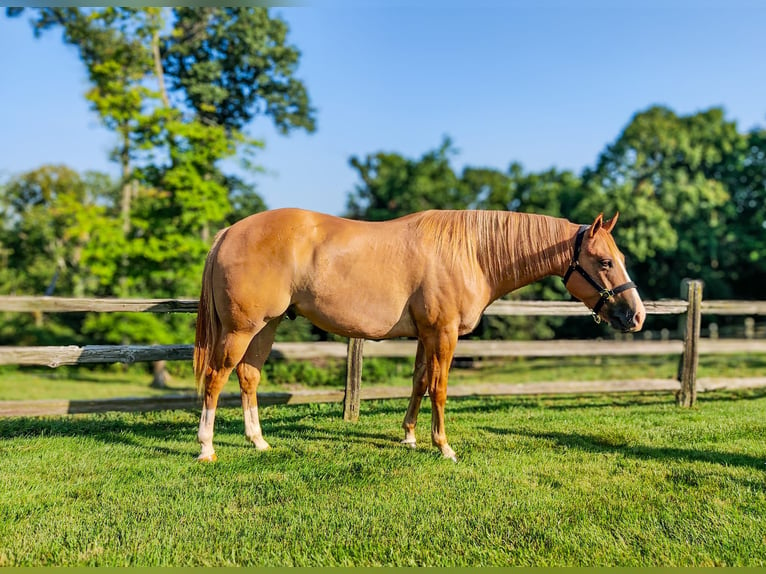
604, 293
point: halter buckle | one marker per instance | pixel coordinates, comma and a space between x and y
606, 293
596, 317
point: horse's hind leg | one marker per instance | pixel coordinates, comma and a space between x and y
419, 386
249, 373
227, 354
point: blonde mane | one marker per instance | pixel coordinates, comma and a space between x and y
519, 247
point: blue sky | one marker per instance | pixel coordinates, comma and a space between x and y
543, 82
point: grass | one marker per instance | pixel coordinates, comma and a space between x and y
86, 383
591, 480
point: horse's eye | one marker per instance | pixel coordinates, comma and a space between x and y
606, 263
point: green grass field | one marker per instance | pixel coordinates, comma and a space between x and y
592, 480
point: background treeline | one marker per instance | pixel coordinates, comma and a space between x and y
178, 87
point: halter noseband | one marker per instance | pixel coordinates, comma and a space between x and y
604, 293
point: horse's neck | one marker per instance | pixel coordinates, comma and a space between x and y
537, 247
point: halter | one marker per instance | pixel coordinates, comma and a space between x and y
604, 294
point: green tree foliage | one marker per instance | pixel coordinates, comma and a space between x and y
743, 253
53, 219
550, 192
393, 185
233, 64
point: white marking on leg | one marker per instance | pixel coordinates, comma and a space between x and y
253, 428
409, 436
447, 452
205, 434
410, 442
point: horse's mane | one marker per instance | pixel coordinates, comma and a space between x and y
507, 245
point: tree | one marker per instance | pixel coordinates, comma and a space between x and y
233, 64
743, 255
393, 185
51, 216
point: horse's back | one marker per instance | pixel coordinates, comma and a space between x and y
349, 277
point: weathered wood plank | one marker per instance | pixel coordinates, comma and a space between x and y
73, 304
73, 355
731, 346
720, 307
188, 401
553, 348
23, 303
573, 308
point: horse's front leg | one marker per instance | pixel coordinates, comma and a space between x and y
439, 352
419, 387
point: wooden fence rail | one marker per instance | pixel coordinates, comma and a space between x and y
28, 304
73, 355
689, 349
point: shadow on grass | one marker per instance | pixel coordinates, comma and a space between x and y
109, 430
557, 402
602, 445
732, 395
499, 403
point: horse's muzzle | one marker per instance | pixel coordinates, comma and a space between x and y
625, 319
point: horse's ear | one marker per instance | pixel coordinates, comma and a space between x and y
597, 223
609, 225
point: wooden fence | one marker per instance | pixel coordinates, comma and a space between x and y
689, 348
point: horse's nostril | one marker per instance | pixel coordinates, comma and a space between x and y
626, 319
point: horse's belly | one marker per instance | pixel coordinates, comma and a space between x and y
368, 319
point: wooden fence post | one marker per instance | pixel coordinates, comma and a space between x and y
687, 396
352, 398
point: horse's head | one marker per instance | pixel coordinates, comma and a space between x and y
597, 277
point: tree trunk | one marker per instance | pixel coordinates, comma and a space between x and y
158, 68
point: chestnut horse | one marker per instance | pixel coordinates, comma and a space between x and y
428, 275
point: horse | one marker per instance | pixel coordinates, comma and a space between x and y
428, 275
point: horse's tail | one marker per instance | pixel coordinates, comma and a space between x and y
208, 323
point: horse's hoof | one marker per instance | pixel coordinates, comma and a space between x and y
212, 457
261, 445
410, 444
448, 453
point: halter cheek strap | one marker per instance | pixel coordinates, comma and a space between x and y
604, 293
